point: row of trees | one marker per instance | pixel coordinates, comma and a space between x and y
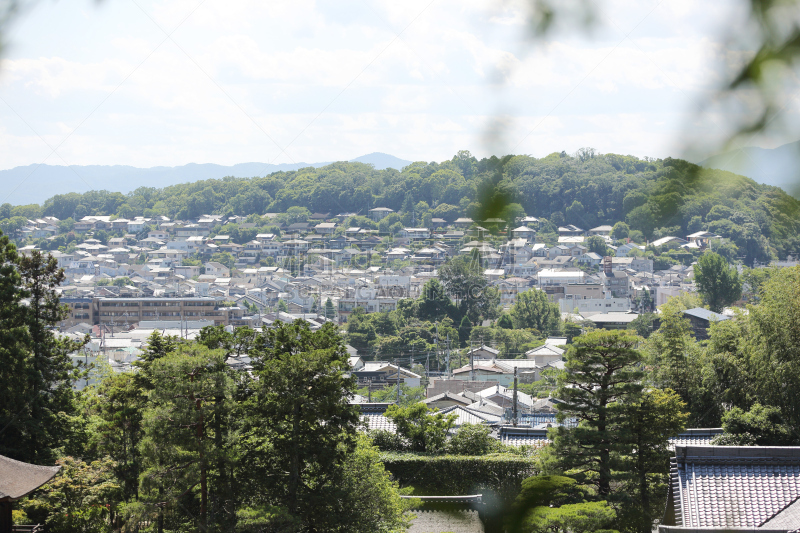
189, 443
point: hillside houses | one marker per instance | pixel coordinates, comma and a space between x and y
303, 264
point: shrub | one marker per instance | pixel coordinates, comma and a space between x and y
453, 475
388, 441
472, 439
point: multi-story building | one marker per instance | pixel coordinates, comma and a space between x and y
376, 304
595, 305
128, 311
81, 310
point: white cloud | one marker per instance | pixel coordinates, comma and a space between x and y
336, 81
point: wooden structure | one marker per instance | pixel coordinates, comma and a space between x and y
17, 480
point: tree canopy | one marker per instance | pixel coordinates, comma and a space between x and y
717, 282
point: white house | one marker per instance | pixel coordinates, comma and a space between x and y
549, 276
217, 270
416, 233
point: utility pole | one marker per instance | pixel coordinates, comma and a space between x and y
471, 363
514, 407
428, 364
436, 348
447, 359
369, 390
398, 382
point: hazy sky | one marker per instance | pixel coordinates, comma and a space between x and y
148, 83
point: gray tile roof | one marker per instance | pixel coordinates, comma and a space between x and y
736, 487
447, 395
787, 518
523, 436
378, 421
469, 416
18, 479
695, 437
455, 521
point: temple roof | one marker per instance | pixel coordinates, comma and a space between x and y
18, 479
724, 487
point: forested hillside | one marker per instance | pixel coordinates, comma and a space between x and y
657, 197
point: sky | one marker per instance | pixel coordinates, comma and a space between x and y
148, 83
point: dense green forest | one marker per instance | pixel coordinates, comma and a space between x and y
656, 197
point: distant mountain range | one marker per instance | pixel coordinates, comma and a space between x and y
33, 184
778, 166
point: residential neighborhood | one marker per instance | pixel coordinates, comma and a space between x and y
202, 275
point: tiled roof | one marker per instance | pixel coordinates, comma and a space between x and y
523, 436
695, 437
447, 395
736, 486
449, 520
378, 421
787, 519
486, 406
468, 416
18, 479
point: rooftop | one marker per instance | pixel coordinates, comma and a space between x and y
735, 487
18, 479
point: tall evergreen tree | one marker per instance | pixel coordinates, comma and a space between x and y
464, 330
119, 403
158, 346
600, 383
14, 395
675, 362
300, 427
650, 420
330, 310
464, 281
187, 446
37, 375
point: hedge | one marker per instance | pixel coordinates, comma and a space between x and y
495, 475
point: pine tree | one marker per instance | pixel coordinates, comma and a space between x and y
158, 346
601, 381
676, 359
650, 421
118, 402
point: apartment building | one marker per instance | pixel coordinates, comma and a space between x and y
123, 311
81, 310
